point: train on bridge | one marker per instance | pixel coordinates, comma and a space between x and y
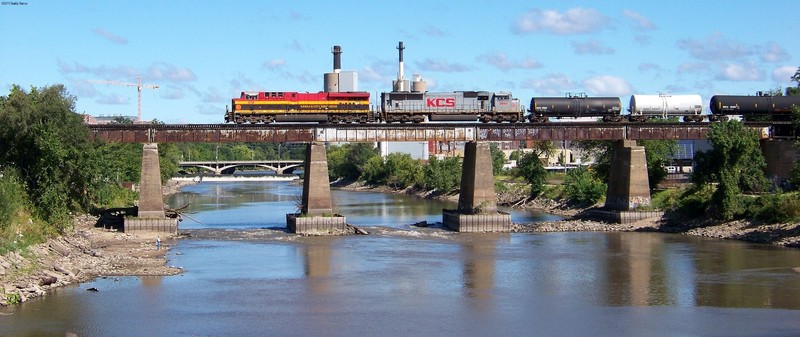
412, 103
487, 106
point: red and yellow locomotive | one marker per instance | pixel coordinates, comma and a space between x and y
288, 106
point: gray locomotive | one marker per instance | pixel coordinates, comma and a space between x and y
416, 107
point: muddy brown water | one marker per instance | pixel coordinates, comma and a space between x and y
243, 280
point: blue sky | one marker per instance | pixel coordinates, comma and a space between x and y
203, 53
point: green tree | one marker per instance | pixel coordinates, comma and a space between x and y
375, 171
347, 161
531, 169
403, 170
443, 175
794, 91
581, 186
735, 164
498, 158
46, 141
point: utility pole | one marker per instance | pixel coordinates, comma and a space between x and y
138, 86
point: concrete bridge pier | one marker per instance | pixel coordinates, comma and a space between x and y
477, 203
628, 186
316, 212
151, 216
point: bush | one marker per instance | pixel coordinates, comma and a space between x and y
665, 200
12, 197
776, 208
694, 202
443, 175
583, 187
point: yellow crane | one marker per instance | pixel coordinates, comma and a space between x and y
138, 86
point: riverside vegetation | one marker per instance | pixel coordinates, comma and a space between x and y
51, 173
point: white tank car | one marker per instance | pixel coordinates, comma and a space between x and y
689, 107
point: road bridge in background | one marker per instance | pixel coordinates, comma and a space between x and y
223, 166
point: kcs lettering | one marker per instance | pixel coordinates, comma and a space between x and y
441, 102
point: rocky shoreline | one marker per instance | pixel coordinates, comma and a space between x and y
787, 234
83, 254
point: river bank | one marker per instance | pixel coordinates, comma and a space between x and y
787, 234
84, 253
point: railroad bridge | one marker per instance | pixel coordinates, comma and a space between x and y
628, 187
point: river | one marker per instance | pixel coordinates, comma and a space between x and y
407, 281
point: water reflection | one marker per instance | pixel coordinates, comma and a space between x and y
317, 265
264, 204
662, 270
479, 268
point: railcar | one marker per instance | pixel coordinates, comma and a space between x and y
642, 107
417, 107
288, 106
575, 106
775, 107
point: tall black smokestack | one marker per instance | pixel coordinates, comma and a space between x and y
400, 71
337, 59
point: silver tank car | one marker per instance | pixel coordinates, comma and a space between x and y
483, 106
575, 106
643, 107
761, 105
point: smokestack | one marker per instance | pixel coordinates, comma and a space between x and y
337, 59
400, 72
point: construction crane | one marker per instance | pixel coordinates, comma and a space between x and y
138, 86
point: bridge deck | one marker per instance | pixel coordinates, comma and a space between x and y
213, 133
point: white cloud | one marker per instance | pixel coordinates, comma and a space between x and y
644, 67
773, 53
501, 61
441, 66
607, 85
171, 93
714, 48
110, 36
784, 74
113, 100
168, 72
433, 31
274, 63
740, 72
213, 95
552, 84
573, 21
641, 22
592, 47
692, 67
369, 74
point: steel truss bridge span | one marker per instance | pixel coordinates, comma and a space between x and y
214, 133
